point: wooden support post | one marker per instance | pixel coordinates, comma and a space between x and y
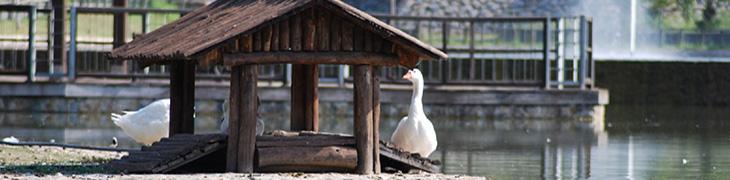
247, 118
376, 119
363, 118
304, 98
182, 97
233, 122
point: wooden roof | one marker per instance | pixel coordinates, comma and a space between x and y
209, 27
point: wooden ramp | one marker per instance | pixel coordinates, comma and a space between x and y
280, 152
170, 153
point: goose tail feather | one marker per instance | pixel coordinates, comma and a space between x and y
116, 118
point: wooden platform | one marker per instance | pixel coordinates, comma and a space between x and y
278, 152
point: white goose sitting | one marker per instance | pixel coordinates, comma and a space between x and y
415, 132
224, 124
146, 125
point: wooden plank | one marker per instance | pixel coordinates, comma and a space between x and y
296, 33
247, 122
363, 118
335, 34
352, 58
376, 119
266, 36
387, 47
358, 39
347, 35
275, 141
310, 30
377, 43
327, 157
257, 41
405, 160
246, 44
195, 155
323, 31
275, 36
368, 41
233, 122
284, 35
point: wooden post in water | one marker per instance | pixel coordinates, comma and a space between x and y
363, 118
247, 118
182, 97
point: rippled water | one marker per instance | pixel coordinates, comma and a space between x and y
639, 143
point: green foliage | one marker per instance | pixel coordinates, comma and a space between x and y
162, 4
684, 14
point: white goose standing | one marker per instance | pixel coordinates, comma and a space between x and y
146, 125
415, 132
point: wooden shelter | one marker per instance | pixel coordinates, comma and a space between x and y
244, 33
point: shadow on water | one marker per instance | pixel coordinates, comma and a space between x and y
639, 142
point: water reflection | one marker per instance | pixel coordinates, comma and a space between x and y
693, 145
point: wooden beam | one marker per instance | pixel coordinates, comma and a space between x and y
352, 58
233, 122
363, 118
182, 97
305, 98
247, 122
376, 119
328, 156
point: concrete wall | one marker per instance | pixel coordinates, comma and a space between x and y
665, 83
89, 106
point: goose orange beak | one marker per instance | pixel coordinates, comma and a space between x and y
408, 75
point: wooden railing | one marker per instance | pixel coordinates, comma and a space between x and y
504, 51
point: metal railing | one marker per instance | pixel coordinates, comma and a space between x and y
517, 51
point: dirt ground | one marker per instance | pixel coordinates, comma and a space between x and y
22, 162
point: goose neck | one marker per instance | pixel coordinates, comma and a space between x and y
416, 100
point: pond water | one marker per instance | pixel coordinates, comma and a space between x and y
639, 142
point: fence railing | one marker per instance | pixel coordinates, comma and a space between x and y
518, 51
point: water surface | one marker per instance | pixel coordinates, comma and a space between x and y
639, 142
